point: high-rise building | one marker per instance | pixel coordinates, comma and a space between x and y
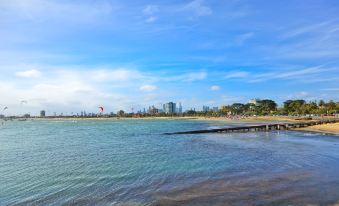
42, 113
215, 109
205, 108
153, 110
180, 108
170, 108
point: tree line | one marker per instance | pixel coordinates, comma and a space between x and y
270, 107
258, 107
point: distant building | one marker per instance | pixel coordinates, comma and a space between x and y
254, 101
170, 108
27, 115
215, 109
180, 108
205, 108
42, 113
153, 110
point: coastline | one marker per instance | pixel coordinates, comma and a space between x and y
323, 128
227, 119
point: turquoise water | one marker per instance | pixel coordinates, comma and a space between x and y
131, 162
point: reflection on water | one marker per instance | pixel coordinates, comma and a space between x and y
130, 162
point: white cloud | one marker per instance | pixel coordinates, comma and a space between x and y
304, 74
198, 7
150, 9
302, 29
215, 88
187, 77
151, 19
301, 95
73, 88
33, 73
115, 75
310, 74
236, 74
241, 39
195, 76
228, 99
66, 12
148, 88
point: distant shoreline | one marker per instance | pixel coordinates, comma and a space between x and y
325, 128
227, 119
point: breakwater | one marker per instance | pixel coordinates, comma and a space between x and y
263, 127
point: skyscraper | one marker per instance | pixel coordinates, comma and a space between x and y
42, 113
205, 108
180, 108
170, 108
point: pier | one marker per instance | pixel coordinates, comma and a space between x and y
264, 127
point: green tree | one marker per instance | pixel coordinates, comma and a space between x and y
321, 103
237, 108
224, 110
267, 106
121, 113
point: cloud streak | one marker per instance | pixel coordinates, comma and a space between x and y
33, 73
296, 74
215, 88
148, 88
198, 7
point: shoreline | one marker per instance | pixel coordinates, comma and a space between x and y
332, 129
324, 128
226, 119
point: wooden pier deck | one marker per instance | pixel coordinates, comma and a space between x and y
264, 127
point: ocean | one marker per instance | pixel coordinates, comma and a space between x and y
131, 162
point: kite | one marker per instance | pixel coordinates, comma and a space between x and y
101, 109
5, 108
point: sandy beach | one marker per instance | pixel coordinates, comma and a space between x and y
324, 128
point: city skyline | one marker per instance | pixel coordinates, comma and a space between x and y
64, 56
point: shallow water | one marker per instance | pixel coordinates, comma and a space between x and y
130, 162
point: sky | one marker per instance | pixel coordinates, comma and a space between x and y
69, 56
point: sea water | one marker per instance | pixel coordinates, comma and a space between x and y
131, 162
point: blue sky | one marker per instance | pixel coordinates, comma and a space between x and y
68, 56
